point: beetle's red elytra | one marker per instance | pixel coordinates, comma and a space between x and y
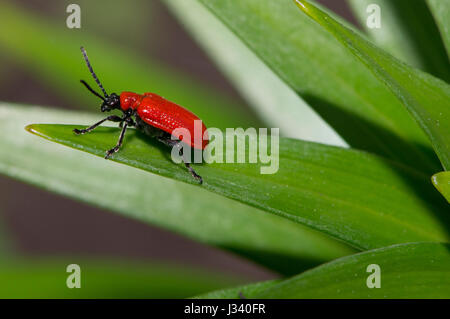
151, 114
164, 114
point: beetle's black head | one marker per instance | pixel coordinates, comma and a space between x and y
111, 102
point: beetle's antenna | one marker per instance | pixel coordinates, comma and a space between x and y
92, 72
91, 89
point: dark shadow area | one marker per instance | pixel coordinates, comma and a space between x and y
282, 264
426, 192
364, 135
425, 36
154, 143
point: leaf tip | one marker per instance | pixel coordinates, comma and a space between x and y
441, 181
34, 129
31, 128
303, 5
434, 180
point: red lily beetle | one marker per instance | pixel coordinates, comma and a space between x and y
149, 113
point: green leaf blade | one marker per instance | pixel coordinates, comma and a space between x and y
426, 98
413, 270
419, 270
332, 190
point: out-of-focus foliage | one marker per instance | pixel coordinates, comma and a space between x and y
441, 12
408, 32
29, 278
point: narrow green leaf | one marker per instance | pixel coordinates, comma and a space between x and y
442, 182
276, 102
418, 270
182, 208
408, 32
240, 291
105, 279
413, 270
361, 199
342, 90
441, 12
52, 52
426, 98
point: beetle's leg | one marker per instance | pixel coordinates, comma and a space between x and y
128, 119
130, 122
188, 166
119, 142
172, 143
113, 118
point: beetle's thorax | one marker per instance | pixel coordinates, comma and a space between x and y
130, 100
